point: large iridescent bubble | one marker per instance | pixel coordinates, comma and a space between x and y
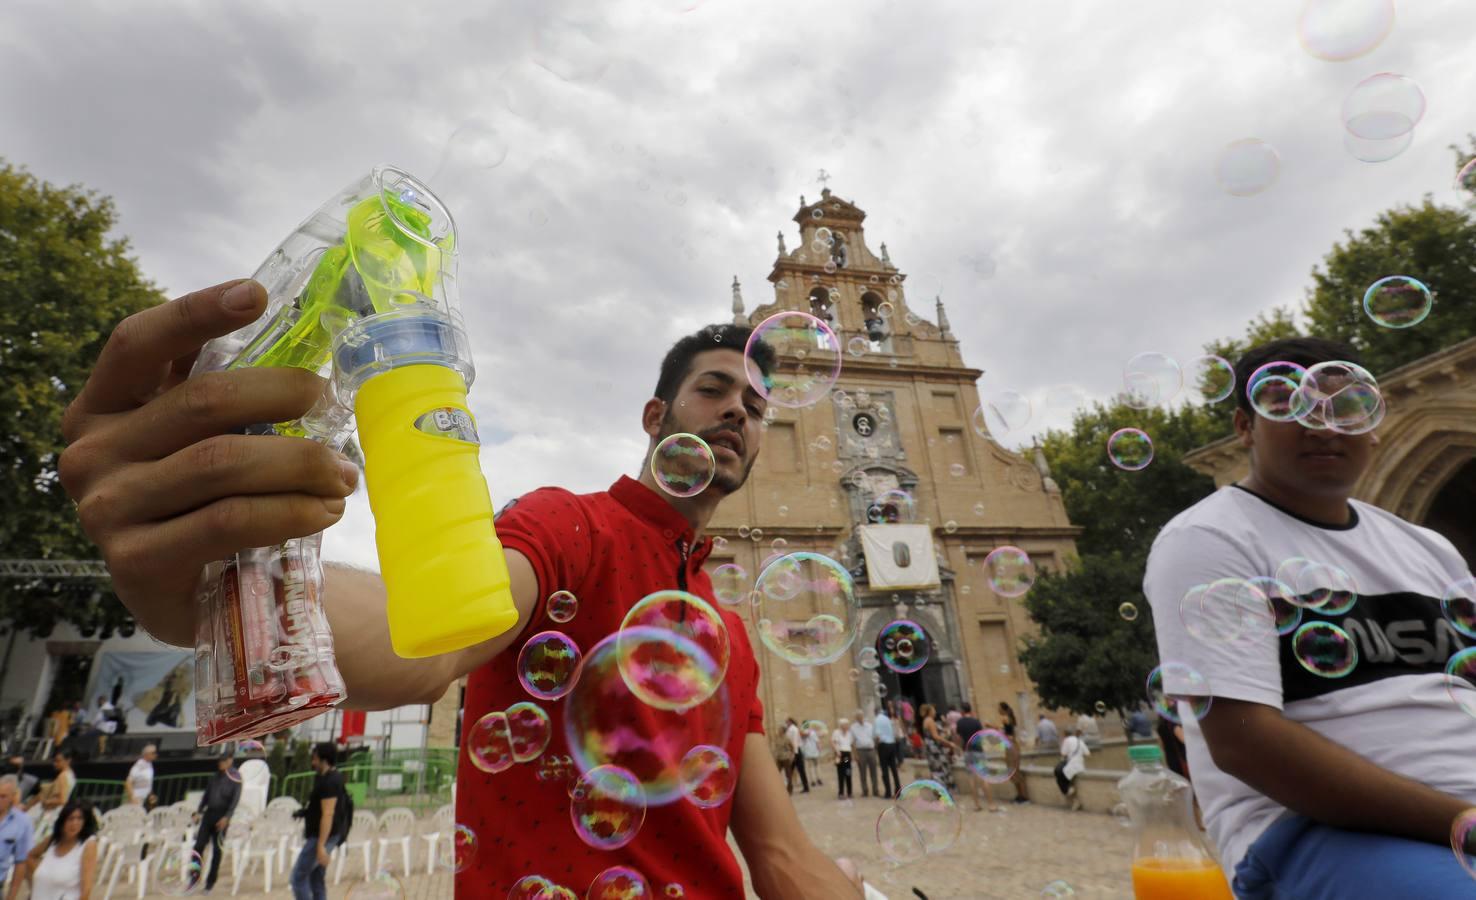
684, 662
805, 609
605, 723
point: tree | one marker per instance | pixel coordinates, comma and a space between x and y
65, 285
1434, 244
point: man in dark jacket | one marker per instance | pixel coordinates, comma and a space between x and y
214, 815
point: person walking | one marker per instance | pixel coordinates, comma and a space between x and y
324, 826
863, 749
141, 776
64, 866
1074, 752
218, 804
974, 760
938, 747
810, 749
1012, 754
885, 731
796, 758
16, 833
840, 742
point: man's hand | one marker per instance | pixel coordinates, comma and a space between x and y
221, 825
322, 856
162, 481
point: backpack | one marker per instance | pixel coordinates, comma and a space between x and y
343, 814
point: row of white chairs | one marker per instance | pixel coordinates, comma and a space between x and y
396, 826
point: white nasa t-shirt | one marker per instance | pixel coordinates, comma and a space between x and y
1393, 708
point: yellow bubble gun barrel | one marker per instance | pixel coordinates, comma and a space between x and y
364, 293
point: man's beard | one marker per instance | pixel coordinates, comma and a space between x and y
727, 484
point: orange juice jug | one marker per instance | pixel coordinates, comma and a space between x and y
1171, 860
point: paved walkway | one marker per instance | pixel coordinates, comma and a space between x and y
1006, 855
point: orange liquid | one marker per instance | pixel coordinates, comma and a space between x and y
1178, 879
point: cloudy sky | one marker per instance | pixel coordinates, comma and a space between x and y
1047, 167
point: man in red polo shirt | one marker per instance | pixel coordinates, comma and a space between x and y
164, 484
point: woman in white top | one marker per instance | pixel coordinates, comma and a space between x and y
1074, 752
811, 750
64, 866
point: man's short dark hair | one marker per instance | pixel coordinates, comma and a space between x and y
1304, 351
327, 752
63, 752
678, 362
968, 708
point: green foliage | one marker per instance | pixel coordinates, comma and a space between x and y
1087, 652
1435, 244
65, 285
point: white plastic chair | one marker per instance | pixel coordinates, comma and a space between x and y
396, 826
363, 834
288, 803
259, 843
284, 826
256, 782
441, 824
124, 854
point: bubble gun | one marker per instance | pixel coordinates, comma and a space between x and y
364, 294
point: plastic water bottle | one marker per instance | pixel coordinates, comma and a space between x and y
1171, 860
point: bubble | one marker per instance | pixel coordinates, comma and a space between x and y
895, 507
1465, 181
619, 883
1058, 888
868, 658
1460, 679
1173, 683
531, 887
988, 754
730, 584
1100, 706
805, 609
957, 470
473, 149
950, 527
1398, 301
573, 49
1130, 449
899, 837
1212, 376
548, 665
684, 661
1150, 379
1458, 604
1383, 106
707, 776
675, 891
529, 731
1285, 614
605, 723
930, 809
683, 465
608, 807
1128, 611
1461, 841
1120, 815
383, 886
1002, 412
1326, 588
1247, 167
458, 853
177, 871
246, 747
562, 606
1010, 571
489, 743
1325, 649
1340, 30
233, 774
1225, 610
1272, 391
978, 508
1368, 151
904, 646
807, 359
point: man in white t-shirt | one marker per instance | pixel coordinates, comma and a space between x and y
1336, 772
840, 742
141, 776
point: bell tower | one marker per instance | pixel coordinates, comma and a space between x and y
897, 445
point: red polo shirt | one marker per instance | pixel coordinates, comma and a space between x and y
609, 549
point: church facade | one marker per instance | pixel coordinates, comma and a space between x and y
902, 416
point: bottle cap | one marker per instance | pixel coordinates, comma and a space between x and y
1145, 753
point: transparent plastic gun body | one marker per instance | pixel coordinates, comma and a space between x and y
363, 293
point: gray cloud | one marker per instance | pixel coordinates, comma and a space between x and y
1046, 167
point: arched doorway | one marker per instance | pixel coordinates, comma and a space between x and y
1450, 511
